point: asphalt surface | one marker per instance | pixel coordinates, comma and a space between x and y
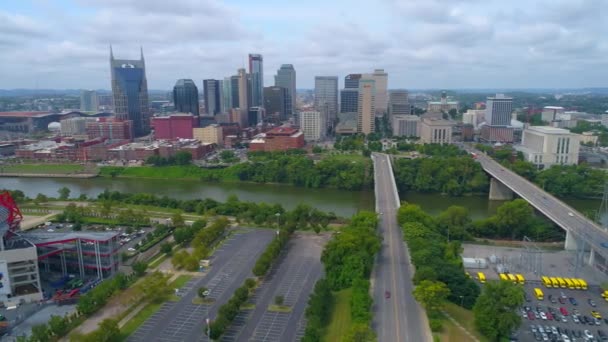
559, 212
230, 266
293, 278
398, 318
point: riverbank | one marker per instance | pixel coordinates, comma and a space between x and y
48, 175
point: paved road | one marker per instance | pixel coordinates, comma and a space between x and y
294, 279
399, 318
231, 265
557, 211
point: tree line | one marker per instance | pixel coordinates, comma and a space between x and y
348, 259
202, 242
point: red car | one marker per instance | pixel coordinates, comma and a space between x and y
387, 294
563, 311
530, 315
549, 316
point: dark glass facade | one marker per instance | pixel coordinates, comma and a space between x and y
275, 103
211, 90
185, 97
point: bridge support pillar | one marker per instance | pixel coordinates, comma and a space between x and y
499, 191
591, 257
571, 243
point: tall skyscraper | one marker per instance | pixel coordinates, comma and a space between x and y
256, 72
130, 92
349, 96
326, 98
226, 95
243, 91
275, 102
89, 101
211, 91
381, 79
185, 97
366, 106
398, 103
498, 110
286, 78
234, 88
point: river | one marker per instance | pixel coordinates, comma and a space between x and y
343, 203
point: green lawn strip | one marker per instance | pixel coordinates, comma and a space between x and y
154, 263
199, 300
248, 306
340, 321
42, 168
137, 320
464, 317
180, 281
279, 308
452, 333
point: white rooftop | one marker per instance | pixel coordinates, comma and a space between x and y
548, 130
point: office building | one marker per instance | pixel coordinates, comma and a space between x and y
474, 117
347, 123
326, 99
366, 108
498, 110
255, 116
89, 102
226, 95
74, 126
278, 139
351, 81
497, 134
443, 105
243, 90
381, 80
286, 78
399, 103
175, 126
349, 96
130, 92
436, 131
552, 113
212, 134
212, 95
313, 125
110, 128
234, 88
256, 72
545, 146
275, 102
185, 97
406, 125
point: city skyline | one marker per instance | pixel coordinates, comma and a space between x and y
421, 44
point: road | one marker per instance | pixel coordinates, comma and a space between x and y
562, 214
231, 265
399, 318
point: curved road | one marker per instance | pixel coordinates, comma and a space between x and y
398, 318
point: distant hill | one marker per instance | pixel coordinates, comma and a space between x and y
57, 92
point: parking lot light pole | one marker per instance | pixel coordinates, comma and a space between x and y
278, 215
462, 301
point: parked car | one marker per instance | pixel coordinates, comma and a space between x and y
573, 301
563, 311
596, 314
591, 302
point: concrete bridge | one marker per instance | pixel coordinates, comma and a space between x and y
581, 232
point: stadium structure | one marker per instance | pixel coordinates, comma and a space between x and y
88, 256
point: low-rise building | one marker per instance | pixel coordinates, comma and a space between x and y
110, 128
313, 125
474, 117
436, 131
74, 126
545, 146
588, 138
212, 134
278, 139
347, 123
494, 134
552, 113
175, 126
406, 125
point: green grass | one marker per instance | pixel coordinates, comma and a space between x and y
170, 172
356, 157
180, 281
42, 168
158, 261
279, 308
137, 320
465, 318
199, 300
340, 322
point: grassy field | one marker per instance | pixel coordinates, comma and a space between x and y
340, 322
180, 281
465, 318
190, 172
42, 168
157, 261
137, 320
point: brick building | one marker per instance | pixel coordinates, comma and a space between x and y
176, 126
278, 139
110, 128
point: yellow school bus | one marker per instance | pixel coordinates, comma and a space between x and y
577, 284
539, 293
546, 281
481, 277
569, 283
554, 282
583, 284
520, 279
503, 276
512, 278
561, 282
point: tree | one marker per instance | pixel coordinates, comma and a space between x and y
278, 300
40, 333
106, 208
166, 248
431, 294
202, 292
360, 333
177, 220
40, 198
64, 193
183, 158
495, 311
108, 331
58, 325
453, 113
140, 268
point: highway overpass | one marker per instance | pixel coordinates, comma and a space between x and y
581, 232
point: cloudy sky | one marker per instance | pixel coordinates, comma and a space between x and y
420, 43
